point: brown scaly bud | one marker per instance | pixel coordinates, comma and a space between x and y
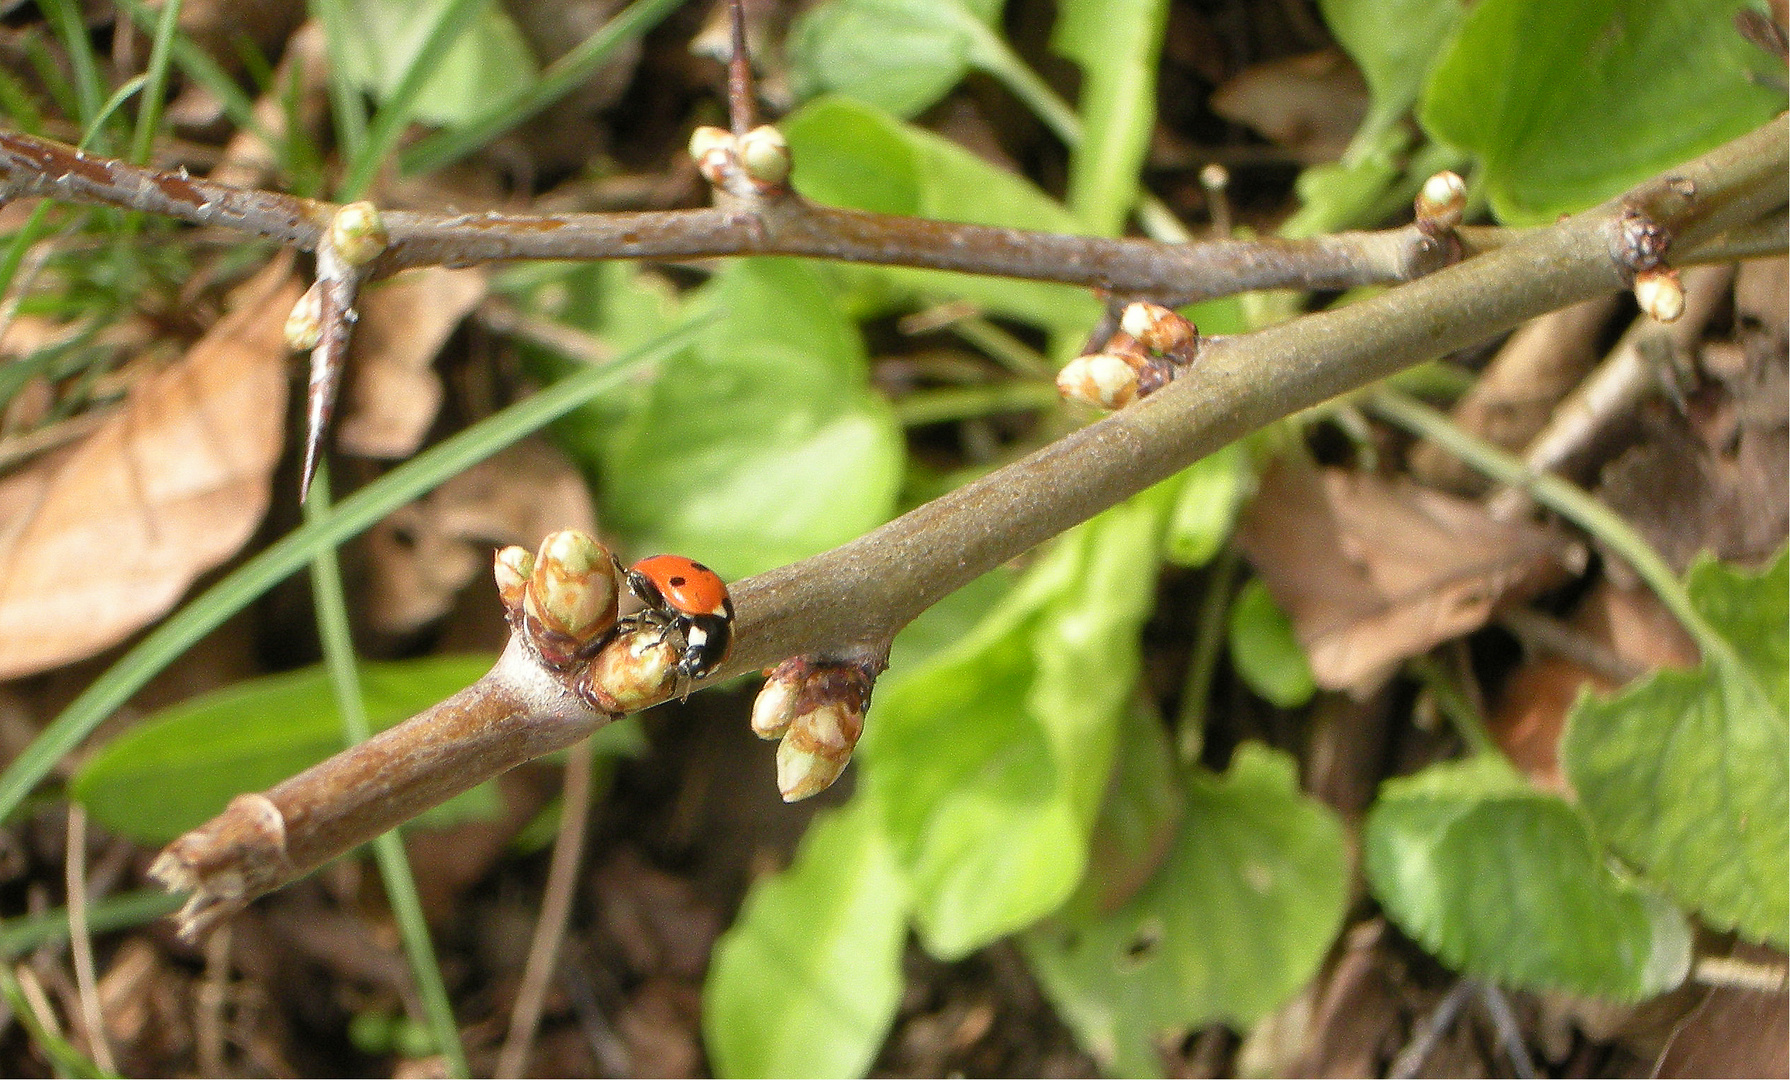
714, 149
1641, 242
816, 749
635, 669
513, 566
1660, 294
1441, 204
817, 708
1160, 329
358, 233
764, 154
569, 601
1105, 380
304, 326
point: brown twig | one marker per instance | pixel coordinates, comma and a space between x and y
869, 588
80, 941
783, 225
556, 908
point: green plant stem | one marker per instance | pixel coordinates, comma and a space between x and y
968, 402
149, 112
202, 69
397, 107
994, 57
21, 935
64, 1058
1467, 722
1202, 665
561, 77
388, 850
348, 518
1563, 497
348, 114
1012, 353
72, 29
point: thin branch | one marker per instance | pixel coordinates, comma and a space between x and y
80, 940
782, 225
868, 589
556, 908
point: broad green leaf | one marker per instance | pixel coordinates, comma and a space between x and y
1503, 882
1569, 104
851, 155
1236, 921
945, 623
1206, 506
763, 444
807, 981
990, 761
1685, 773
898, 55
1139, 820
1116, 43
1264, 650
1394, 43
489, 62
180, 766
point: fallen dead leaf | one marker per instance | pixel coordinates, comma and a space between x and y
394, 393
102, 538
425, 552
1310, 104
1372, 572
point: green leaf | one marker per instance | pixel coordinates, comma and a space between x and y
1206, 506
488, 62
1235, 922
179, 767
1138, 821
945, 623
1569, 104
1685, 773
990, 762
1116, 43
1503, 882
807, 981
1264, 650
1394, 43
851, 155
763, 444
899, 55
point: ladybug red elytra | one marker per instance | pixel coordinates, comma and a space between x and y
685, 594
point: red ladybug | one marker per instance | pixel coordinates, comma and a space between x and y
685, 594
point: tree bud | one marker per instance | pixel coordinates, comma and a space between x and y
764, 153
1660, 293
358, 233
1442, 203
1101, 379
816, 749
304, 326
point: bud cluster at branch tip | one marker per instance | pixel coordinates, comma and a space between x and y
358, 233
1154, 345
760, 158
564, 598
637, 668
1441, 204
816, 707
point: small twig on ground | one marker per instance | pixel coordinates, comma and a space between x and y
1509, 1033
556, 909
1429, 1033
209, 1003
1538, 631
81, 941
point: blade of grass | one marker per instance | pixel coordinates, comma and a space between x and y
71, 29
395, 111
347, 518
64, 1058
18, 936
119, 96
1565, 498
388, 850
200, 68
149, 112
345, 107
560, 78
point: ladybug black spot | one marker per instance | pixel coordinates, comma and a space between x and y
677, 582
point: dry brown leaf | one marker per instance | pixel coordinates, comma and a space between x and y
102, 538
1310, 104
424, 553
1373, 572
394, 392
